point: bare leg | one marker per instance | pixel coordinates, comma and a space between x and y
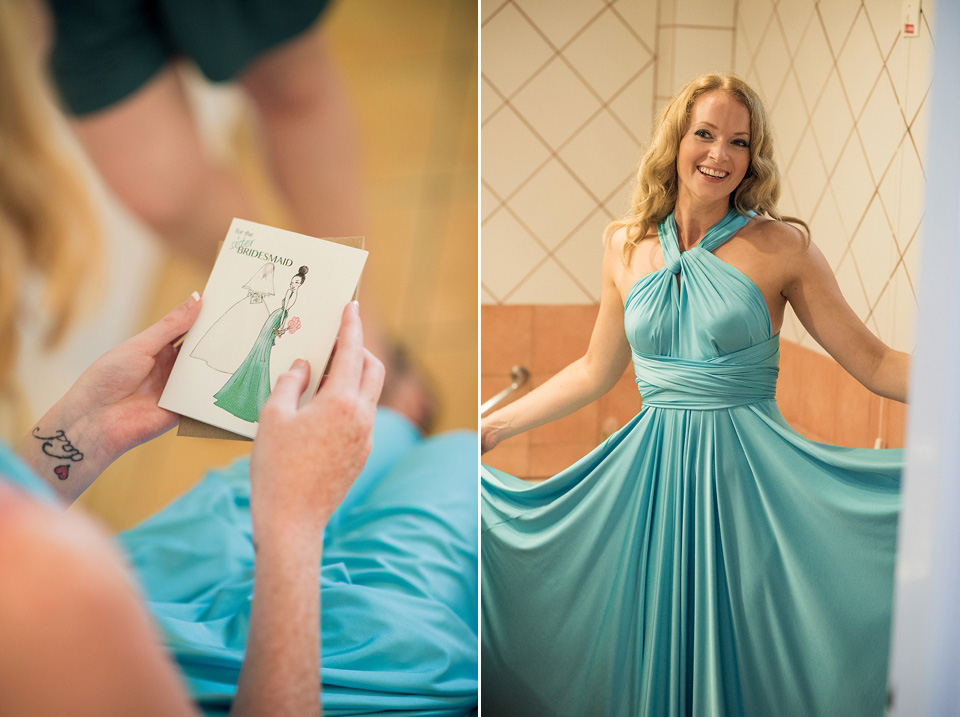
311, 143
148, 150
309, 135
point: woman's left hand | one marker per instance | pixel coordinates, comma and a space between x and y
110, 409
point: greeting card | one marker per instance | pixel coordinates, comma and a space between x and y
273, 296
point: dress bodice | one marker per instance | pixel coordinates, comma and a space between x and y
699, 329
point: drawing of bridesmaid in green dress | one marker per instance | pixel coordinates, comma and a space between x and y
247, 390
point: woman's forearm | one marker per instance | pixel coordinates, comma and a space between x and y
567, 391
66, 451
890, 378
281, 670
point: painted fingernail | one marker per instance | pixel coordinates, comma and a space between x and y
195, 296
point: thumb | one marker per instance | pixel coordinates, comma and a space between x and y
290, 386
171, 327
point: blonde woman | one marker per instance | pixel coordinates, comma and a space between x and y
706, 559
234, 574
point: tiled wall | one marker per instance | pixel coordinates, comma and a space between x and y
847, 96
569, 92
567, 99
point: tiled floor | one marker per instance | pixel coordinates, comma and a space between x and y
410, 69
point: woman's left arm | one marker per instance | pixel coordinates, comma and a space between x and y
812, 290
109, 410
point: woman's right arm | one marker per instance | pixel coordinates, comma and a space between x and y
303, 463
581, 382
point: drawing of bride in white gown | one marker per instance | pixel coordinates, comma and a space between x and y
226, 343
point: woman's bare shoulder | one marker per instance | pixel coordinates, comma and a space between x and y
776, 236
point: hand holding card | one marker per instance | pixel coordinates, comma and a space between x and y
246, 336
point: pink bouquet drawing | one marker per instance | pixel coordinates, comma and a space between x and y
293, 325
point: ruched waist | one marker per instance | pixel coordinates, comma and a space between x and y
734, 379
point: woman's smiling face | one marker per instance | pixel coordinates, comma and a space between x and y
714, 153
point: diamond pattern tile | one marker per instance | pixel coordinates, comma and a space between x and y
561, 148
773, 68
560, 22
837, 17
603, 155
529, 51
607, 55
831, 121
794, 18
881, 126
552, 204
875, 252
556, 102
859, 63
507, 254
503, 172
550, 283
573, 88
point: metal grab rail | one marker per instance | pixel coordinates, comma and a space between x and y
518, 377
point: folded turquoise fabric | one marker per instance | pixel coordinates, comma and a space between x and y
398, 585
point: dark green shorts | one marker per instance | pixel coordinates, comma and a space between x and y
105, 50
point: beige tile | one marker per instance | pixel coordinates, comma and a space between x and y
512, 50
556, 102
773, 63
508, 254
695, 12
701, 50
550, 283
607, 54
859, 63
875, 250
806, 176
539, 206
813, 61
881, 127
582, 255
602, 156
561, 22
794, 17
831, 121
511, 152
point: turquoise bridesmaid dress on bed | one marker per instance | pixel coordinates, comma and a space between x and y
398, 585
704, 560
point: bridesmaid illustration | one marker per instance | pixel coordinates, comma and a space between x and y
247, 390
223, 346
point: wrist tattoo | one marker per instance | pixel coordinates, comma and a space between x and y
59, 446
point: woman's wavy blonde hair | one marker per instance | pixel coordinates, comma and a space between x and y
48, 228
655, 193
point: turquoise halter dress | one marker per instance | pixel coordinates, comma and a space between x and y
705, 559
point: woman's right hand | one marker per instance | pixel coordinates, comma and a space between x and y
305, 459
488, 437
